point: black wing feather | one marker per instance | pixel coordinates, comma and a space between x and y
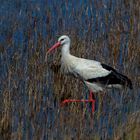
113, 78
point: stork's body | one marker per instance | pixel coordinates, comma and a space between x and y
95, 75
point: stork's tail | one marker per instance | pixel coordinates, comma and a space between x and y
118, 77
129, 83
126, 81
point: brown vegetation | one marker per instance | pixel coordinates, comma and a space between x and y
32, 89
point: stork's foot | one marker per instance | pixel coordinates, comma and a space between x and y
64, 102
90, 100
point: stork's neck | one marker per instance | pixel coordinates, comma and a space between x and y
66, 59
66, 49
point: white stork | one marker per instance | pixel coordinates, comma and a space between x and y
95, 75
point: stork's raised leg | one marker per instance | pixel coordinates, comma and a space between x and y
90, 100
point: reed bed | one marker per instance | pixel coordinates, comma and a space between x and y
31, 89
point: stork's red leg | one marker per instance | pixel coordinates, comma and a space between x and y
90, 100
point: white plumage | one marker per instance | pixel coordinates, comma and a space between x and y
84, 69
94, 74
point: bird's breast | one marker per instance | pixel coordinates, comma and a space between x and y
66, 65
65, 68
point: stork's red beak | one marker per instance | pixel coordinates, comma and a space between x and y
54, 46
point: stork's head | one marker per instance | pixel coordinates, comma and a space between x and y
62, 41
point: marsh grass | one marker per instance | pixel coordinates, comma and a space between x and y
31, 89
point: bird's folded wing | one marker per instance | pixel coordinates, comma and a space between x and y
88, 70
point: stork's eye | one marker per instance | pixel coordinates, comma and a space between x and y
62, 39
